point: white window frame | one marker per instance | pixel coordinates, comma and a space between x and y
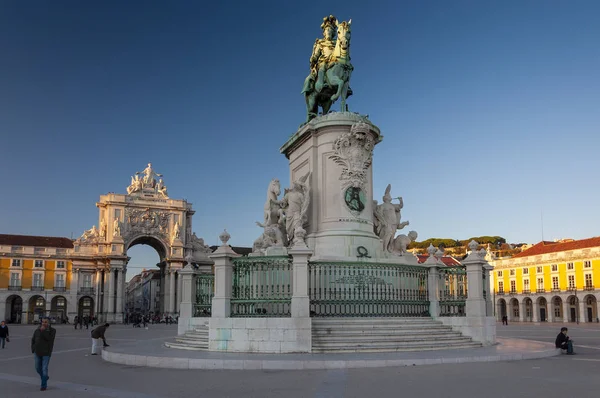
18, 260
500, 286
539, 270
41, 274
526, 285
513, 286
587, 263
540, 283
512, 272
554, 268
58, 276
35, 264
571, 278
591, 278
570, 266
525, 271
64, 263
499, 274
83, 277
19, 279
557, 284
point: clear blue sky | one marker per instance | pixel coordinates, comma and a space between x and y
489, 109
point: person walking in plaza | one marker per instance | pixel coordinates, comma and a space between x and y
564, 342
98, 334
3, 333
42, 343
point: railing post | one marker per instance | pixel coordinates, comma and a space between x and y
188, 296
300, 299
478, 326
223, 256
475, 306
433, 288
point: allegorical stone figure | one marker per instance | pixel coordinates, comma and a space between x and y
387, 219
116, 228
149, 173
295, 205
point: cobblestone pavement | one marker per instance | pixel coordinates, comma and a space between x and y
74, 373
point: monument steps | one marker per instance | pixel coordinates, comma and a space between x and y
384, 334
192, 340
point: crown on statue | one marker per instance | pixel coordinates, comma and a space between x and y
329, 22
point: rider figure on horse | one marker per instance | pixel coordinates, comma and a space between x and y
320, 59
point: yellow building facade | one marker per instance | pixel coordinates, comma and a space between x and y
549, 282
35, 278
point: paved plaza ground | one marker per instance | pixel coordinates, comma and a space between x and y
74, 373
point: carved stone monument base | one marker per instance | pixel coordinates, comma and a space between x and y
337, 149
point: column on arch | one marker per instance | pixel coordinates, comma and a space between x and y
171, 291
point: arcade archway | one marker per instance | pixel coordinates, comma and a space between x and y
14, 309
37, 309
58, 309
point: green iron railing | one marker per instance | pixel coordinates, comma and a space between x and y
262, 287
453, 291
205, 290
367, 290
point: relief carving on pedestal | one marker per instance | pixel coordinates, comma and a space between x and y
354, 152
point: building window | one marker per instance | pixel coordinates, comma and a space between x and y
587, 264
588, 280
114, 248
540, 283
512, 272
60, 264
87, 280
499, 274
500, 287
38, 280
526, 284
554, 267
61, 302
516, 312
118, 214
39, 263
540, 270
555, 282
513, 286
60, 280
16, 263
570, 266
39, 250
525, 271
15, 279
571, 281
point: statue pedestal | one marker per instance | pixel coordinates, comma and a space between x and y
334, 230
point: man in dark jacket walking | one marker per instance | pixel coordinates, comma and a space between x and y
3, 333
98, 334
42, 344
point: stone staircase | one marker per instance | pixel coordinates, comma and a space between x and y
194, 340
333, 335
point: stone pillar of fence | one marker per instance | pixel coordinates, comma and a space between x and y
478, 325
433, 289
188, 296
300, 299
489, 300
223, 259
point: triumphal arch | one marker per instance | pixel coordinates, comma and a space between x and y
144, 215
